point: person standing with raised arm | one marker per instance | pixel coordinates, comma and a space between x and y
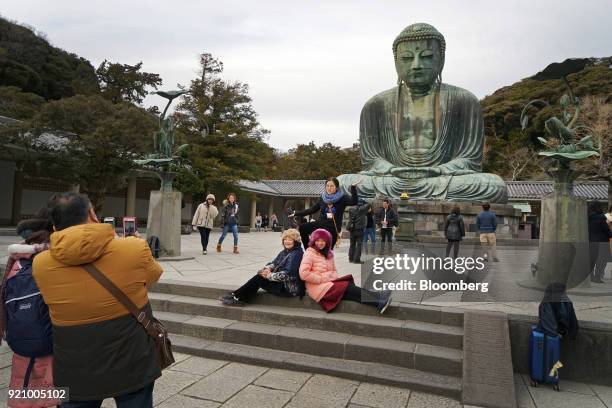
331, 206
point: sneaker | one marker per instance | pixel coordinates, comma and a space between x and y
232, 301
384, 301
226, 296
495, 260
204, 252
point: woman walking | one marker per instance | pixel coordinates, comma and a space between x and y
203, 220
230, 221
331, 206
454, 231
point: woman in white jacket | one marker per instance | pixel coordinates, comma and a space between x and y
203, 219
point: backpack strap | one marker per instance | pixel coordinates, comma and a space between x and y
138, 314
28, 373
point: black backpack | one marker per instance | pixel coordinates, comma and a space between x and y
28, 326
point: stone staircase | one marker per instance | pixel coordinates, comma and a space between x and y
411, 346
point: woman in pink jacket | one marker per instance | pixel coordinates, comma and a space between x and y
325, 286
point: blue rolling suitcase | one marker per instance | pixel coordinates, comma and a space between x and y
544, 353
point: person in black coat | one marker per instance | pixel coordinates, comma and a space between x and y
454, 231
599, 238
280, 277
386, 219
332, 204
356, 227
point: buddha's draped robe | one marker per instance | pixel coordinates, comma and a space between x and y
457, 151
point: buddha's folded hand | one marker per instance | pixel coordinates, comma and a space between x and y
416, 172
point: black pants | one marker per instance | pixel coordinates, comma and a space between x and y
599, 253
455, 246
355, 247
308, 228
386, 234
356, 294
204, 234
142, 398
250, 288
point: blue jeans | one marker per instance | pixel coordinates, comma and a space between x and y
142, 398
226, 229
370, 232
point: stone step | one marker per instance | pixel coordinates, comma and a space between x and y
401, 311
408, 378
405, 354
338, 322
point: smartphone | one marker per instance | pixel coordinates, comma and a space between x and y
129, 226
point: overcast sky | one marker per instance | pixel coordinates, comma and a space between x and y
311, 65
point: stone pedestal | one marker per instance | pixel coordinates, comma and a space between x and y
164, 220
405, 230
427, 218
563, 253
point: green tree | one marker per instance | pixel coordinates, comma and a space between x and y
312, 162
597, 114
216, 105
220, 124
123, 82
29, 62
101, 141
19, 105
507, 148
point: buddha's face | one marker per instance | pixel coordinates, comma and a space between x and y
418, 63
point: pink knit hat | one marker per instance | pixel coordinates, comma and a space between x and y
324, 235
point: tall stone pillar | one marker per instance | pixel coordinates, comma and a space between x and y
271, 206
130, 200
164, 220
253, 210
563, 253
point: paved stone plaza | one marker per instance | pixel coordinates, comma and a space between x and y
194, 382
256, 248
201, 382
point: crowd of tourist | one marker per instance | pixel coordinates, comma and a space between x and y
85, 340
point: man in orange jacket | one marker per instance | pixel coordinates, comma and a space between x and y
100, 350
